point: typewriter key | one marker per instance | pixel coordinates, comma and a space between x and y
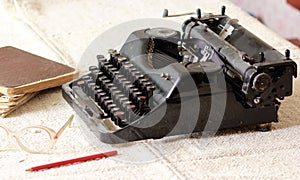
94, 74
115, 92
98, 95
102, 100
91, 89
112, 110
106, 103
122, 101
80, 83
93, 68
86, 85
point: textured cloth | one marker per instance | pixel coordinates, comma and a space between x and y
62, 30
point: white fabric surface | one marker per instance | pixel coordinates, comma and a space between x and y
62, 30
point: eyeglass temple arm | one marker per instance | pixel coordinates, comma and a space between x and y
64, 126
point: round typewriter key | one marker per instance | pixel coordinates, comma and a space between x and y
115, 92
129, 73
127, 89
98, 95
112, 72
97, 87
122, 58
107, 69
111, 51
98, 75
119, 82
143, 85
118, 96
106, 103
102, 100
111, 89
99, 57
109, 66
125, 104
101, 60
141, 82
122, 101
108, 85
102, 66
112, 110
109, 108
149, 91
125, 83
100, 80
94, 74
126, 63
92, 68
112, 58
131, 91
119, 76
91, 89
130, 113
135, 75
86, 77
80, 83
104, 82
135, 96
119, 116
117, 72
146, 86
128, 66
86, 85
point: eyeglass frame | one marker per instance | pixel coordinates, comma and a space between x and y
52, 134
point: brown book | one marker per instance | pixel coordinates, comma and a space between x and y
22, 72
13, 101
4, 98
4, 111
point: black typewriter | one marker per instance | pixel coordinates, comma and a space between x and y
214, 74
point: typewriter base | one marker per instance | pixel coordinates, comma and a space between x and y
264, 127
235, 115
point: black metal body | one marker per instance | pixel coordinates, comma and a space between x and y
161, 83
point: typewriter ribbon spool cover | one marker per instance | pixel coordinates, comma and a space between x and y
142, 90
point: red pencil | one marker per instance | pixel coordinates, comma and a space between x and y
71, 161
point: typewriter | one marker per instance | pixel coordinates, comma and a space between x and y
215, 74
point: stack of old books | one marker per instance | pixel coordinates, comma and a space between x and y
23, 75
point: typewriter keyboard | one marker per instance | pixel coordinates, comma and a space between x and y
118, 88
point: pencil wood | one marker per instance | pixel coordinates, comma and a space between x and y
72, 161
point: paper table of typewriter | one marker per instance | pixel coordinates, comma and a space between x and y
145, 91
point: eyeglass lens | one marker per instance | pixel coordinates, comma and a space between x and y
3, 138
35, 139
32, 139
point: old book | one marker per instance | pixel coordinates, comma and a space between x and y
13, 101
22, 72
4, 111
4, 98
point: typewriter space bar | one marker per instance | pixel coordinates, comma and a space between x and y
89, 106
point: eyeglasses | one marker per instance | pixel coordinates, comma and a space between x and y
33, 139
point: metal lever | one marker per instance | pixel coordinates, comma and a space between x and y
166, 14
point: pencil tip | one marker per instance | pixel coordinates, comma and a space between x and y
28, 169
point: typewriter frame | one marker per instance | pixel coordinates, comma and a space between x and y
243, 74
